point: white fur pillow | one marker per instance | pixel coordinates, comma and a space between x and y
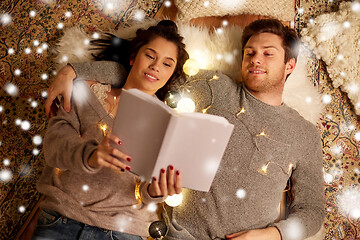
281, 9
213, 51
335, 39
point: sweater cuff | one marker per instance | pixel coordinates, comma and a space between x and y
90, 149
145, 196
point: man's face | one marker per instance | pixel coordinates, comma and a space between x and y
263, 67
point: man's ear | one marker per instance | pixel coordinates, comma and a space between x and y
290, 66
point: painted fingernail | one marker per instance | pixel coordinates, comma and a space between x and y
128, 159
171, 167
154, 179
162, 170
177, 172
120, 142
128, 168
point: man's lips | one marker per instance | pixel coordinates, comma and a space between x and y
256, 71
151, 77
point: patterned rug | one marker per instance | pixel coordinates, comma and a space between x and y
339, 128
29, 31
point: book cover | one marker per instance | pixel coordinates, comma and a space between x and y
156, 136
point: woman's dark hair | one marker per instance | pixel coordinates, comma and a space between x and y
288, 35
120, 50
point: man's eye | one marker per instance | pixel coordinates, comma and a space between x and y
268, 54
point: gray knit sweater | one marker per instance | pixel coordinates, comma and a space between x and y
242, 197
102, 198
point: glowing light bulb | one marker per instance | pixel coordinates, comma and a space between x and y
264, 168
103, 127
185, 105
191, 67
261, 134
174, 200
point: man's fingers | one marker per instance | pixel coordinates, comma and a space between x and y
67, 101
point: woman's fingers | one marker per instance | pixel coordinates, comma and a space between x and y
178, 182
163, 182
170, 180
107, 156
154, 188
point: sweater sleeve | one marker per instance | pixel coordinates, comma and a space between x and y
102, 71
307, 210
64, 147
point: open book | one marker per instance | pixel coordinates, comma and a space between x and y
156, 136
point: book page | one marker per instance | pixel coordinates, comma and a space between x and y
195, 144
141, 125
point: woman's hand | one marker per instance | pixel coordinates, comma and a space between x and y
169, 184
107, 156
62, 85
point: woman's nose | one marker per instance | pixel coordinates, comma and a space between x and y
155, 66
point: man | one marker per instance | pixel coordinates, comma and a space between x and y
270, 143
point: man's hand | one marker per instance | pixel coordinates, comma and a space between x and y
62, 85
270, 233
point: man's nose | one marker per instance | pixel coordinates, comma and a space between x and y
256, 59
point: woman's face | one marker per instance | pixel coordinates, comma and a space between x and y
152, 66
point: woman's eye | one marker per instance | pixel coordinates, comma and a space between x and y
149, 56
166, 64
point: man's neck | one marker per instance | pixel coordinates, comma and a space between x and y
273, 99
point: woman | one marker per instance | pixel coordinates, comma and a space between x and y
90, 193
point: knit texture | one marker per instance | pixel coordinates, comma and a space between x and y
102, 198
282, 10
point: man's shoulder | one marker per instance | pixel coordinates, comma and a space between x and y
299, 122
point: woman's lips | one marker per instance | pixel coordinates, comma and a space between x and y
151, 78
